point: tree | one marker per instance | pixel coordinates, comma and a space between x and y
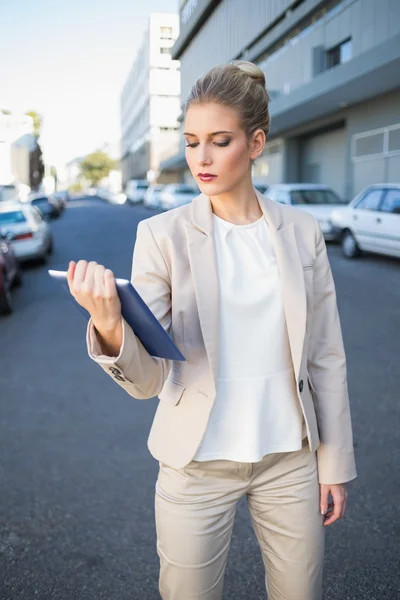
97, 166
37, 122
36, 167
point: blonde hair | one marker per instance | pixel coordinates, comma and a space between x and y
240, 85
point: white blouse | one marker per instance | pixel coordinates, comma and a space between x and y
256, 410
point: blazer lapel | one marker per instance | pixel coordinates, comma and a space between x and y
291, 274
203, 265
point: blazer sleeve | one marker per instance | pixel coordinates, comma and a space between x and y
328, 376
138, 373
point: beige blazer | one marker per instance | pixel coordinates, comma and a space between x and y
175, 271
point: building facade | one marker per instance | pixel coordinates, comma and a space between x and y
150, 102
333, 73
17, 142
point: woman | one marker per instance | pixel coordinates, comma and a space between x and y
260, 407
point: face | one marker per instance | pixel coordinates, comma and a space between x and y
218, 152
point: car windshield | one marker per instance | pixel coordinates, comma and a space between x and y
10, 218
306, 196
40, 201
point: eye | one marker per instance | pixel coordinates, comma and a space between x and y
191, 145
222, 144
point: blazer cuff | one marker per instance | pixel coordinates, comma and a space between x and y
125, 354
335, 467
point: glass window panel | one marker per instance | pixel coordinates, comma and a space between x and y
394, 139
10, 218
370, 201
391, 202
369, 144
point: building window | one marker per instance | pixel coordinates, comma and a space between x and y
165, 50
303, 28
339, 54
394, 139
166, 33
369, 144
380, 142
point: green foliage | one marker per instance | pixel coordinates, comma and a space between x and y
37, 121
97, 166
5, 111
76, 188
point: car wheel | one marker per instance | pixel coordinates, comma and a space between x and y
18, 280
50, 248
6, 307
350, 247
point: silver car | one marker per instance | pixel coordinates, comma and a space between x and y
177, 194
152, 195
318, 200
371, 221
27, 232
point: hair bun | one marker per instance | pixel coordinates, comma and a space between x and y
250, 69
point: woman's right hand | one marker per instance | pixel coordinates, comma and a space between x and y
93, 287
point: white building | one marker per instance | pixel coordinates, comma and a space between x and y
150, 102
16, 143
72, 171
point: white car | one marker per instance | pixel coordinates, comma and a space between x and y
371, 222
318, 200
135, 190
27, 232
152, 195
177, 194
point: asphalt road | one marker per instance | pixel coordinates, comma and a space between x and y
77, 480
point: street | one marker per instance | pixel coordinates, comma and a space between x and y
77, 480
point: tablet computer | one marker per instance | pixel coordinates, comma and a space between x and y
137, 314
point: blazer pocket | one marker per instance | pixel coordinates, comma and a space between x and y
305, 267
172, 392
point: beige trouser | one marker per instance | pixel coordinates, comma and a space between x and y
195, 510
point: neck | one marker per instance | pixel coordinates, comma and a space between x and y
238, 206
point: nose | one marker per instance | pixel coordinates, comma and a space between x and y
204, 158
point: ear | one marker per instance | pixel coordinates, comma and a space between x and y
257, 143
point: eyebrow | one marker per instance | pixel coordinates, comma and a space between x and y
211, 134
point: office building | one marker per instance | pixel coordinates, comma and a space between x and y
150, 102
333, 73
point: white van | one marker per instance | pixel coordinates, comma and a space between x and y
136, 189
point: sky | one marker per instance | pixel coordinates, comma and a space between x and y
68, 60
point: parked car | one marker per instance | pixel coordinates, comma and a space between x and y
62, 197
111, 196
48, 206
318, 200
10, 274
27, 232
152, 195
8, 192
177, 194
371, 222
135, 190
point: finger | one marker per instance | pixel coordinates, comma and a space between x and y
79, 275
70, 273
89, 282
337, 511
109, 283
99, 287
344, 507
324, 494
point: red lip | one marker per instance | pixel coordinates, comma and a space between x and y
206, 176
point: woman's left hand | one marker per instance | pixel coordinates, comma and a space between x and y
334, 510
